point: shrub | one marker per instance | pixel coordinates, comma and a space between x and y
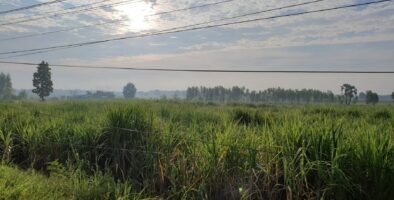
126, 138
382, 115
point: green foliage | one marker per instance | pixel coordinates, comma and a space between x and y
5, 87
62, 184
354, 113
129, 91
252, 117
349, 92
272, 95
42, 81
97, 95
371, 97
383, 114
22, 95
243, 117
176, 150
126, 128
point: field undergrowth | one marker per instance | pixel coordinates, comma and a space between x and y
178, 150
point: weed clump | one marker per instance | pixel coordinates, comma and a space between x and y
127, 137
354, 113
246, 117
243, 117
382, 115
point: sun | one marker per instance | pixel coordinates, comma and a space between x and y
137, 14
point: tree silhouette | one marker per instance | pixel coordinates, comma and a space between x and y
5, 86
271, 95
129, 91
392, 96
42, 81
371, 97
349, 92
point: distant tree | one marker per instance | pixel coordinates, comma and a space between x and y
129, 91
42, 81
371, 97
274, 95
96, 95
362, 96
392, 96
349, 92
22, 95
102, 95
192, 93
5, 86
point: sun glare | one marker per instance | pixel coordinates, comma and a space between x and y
137, 14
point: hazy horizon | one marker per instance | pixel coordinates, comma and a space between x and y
350, 39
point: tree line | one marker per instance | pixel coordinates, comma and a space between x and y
43, 87
6, 90
271, 95
220, 94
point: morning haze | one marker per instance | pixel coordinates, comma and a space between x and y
188, 99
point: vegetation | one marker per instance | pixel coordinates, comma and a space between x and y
42, 81
5, 87
62, 184
372, 97
129, 91
6, 90
241, 94
392, 95
174, 150
349, 92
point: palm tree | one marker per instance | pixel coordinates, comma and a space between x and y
348, 91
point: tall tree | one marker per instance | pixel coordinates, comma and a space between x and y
5, 86
371, 97
349, 92
129, 91
392, 96
42, 81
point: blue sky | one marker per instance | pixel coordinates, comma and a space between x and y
350, 39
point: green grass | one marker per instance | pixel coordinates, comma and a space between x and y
17, 184
177, 150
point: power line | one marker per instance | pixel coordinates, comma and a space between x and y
50, 12
192, 25
31, 6
71, 12
180, 29
116, 21
208, 70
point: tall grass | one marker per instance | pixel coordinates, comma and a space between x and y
176, 150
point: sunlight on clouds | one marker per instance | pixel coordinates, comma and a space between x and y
137, 14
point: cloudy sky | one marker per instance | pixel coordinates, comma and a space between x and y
350, 39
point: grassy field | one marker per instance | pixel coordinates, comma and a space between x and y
177, 150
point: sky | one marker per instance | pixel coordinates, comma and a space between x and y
359, 38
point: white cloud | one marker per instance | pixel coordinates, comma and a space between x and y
266, 44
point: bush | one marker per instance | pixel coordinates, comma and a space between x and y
243, 117
382, 115
127, 137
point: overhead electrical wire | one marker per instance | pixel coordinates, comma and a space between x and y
56, 11
179, 29
117, 21
207, 70
161, 13
30, 7
70, 12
